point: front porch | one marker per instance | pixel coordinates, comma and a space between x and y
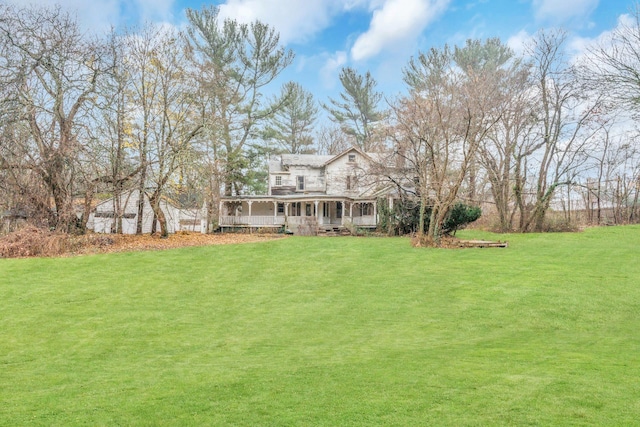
300, 215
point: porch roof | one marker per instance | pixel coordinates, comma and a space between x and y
297, 198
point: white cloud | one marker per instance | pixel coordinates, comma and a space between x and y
519, 41
395, 22
559, 11
329, 72
154, 10
98, 16
295, 20
579, 47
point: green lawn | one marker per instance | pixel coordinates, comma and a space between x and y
328, 331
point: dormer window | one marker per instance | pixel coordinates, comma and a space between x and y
352, 158
278, 180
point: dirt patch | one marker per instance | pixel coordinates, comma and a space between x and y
36, 242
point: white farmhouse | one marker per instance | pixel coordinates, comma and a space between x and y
310, 194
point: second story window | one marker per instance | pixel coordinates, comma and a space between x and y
278, 180
300, 180
352, 182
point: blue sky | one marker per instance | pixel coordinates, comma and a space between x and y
375, 35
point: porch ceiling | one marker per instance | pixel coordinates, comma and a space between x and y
297, 198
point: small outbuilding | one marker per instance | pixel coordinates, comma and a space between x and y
120, 214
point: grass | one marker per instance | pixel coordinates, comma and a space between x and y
327, 332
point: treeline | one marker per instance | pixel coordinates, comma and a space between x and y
185, 114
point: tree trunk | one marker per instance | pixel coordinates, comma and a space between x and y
143, 177
158, 215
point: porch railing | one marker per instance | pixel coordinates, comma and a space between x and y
300, 220
252, 221
363, 221
271, 221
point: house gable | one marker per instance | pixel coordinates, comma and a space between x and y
297, 174
353, 155
346, 174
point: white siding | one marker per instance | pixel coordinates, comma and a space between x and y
340, 172
104, 217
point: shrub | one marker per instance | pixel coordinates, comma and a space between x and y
404, 217
459, 216
33, 241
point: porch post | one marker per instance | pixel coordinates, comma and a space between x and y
315, 202
220, 212
275, 212
249, 203
375, 213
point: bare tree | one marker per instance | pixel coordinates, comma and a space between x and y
551, 158
615, 187
497, 152
49, 73
440, 126
141, 49
168, 119
614, 63
331, 140
111, 152
475, 58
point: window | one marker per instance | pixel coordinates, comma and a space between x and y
352, 158
352, 182
366, 209
307, 209
278, 180
300, 180
111, 214
295, 209
105, 214
281, 208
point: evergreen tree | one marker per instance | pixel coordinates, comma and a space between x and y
356, 112
291, 126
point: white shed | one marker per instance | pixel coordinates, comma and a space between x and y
105, 217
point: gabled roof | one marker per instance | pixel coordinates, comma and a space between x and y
133, 195
312, 160
315, 160
345, 152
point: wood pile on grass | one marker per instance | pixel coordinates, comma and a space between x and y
450, 242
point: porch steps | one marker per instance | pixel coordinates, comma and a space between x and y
333, 231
